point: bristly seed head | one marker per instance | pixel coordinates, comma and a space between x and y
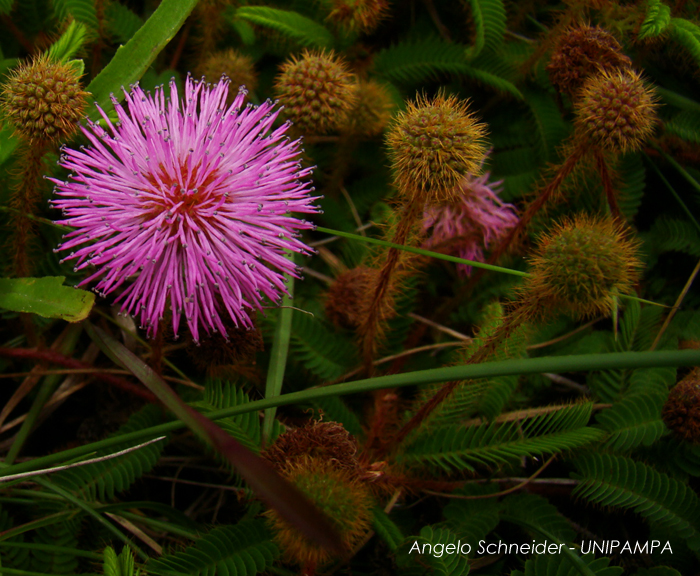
681, 412
43, 100
433, 145
317, 92
580, 267
239, 68
616, 111
358, 15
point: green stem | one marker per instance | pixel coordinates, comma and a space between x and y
278, 359
421, 251
558, 364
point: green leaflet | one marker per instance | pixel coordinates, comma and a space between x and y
656, 20
622, 482
121, 22
686, 125
47, 297
634, 421
452, 448
299, 28
81, 10
687, 34
102, 480
533, 510
386, 529
243, 549
489, 18
122, 565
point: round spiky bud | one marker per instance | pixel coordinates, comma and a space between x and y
681, 412
616, 111
433, 145
350, 296
43, 99
372, 111
338, 494
327, 441
239, 68
317, 92
358, 15
580, 266
580, 52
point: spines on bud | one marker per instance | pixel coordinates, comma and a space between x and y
433, 145
44, 100
580, 267
317, 92
616, 111
358, 15
239, 68
372, 110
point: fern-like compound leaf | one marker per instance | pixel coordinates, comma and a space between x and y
453, 448
489, 18
687, 34
432, 543
291, 24
656, 20
242, 549
686, 125
120, 22
82, 10
625, 483
634, 421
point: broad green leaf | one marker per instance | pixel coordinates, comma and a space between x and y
47, 297
134, 58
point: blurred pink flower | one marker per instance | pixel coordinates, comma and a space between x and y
467, 227
189, 203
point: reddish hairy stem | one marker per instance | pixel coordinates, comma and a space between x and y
370, 326
602, 167
53, 357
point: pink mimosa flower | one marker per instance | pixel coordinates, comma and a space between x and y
470, 225
186, 202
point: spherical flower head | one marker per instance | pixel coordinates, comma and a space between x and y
338, 494
358, 15
616, 111
681, 412
43, 100
317, 92
434, 144
471, 223
239, 68
580, 52
580, 267
372, 111
190, 199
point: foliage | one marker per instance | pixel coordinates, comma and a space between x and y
475, 417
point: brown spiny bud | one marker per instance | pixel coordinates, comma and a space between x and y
239, 68
616, 111
581, 52
328, 441
350, 296
372, 111
434, 144
43, 99
338, 494
681, 412
317, 92
358, 15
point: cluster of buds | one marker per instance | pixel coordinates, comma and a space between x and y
615, 110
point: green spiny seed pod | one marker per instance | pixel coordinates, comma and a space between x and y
433, 145
582, 51
239, 68
579, 267
317, 92
681, 412
372, 111
43, 99
616, 111
338, 494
